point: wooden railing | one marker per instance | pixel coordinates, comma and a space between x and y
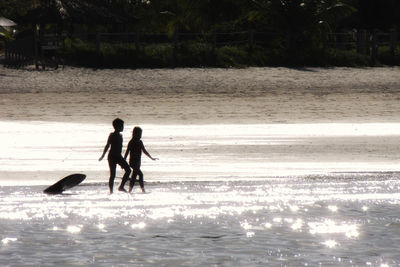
42, 52
18, 53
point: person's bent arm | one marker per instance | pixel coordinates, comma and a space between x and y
105, 149
126, 152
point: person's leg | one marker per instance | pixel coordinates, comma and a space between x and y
112, 165
133, 180
140, 173
127, 169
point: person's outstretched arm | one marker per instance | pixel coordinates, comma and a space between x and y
147, 153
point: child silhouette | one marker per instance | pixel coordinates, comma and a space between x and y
135, 148
114, 156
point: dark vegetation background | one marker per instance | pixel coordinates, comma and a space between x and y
213, 33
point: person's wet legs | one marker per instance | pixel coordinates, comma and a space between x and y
136, 173
141, 180
125, 178
133, 180
113, 167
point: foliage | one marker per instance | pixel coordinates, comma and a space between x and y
195, 54
298, 29
200, 54
14, 8
296, 16
389, 57
5, 34
345, 58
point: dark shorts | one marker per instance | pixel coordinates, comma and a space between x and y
114, 160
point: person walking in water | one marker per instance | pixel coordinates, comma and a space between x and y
114, 156
135, 148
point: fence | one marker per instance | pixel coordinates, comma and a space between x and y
19, 52
215, 39
32, 50
25, 51
362, 41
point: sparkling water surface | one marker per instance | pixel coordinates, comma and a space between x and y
220, 195
338, 220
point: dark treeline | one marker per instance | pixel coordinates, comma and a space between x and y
208, 15
301, 26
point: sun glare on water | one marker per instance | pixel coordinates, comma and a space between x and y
236, 191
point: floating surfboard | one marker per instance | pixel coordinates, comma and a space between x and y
65, 184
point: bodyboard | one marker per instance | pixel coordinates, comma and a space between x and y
65, 184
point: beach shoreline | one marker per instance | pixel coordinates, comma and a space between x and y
44, 152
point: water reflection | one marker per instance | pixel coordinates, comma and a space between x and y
140, 225
330, 243
74, 229
8, 240
331, 227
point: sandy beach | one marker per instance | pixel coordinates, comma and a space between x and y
258, 167
202, 96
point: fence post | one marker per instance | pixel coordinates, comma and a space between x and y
7, 55
324, 37
251, 39
288, 40
342, 40
19, 59
214, 41
36, 47
374, 52
137, 44
393, 42
6, 51
175, 48
98, 40
362, 42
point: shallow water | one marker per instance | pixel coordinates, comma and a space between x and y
224, 195
38, 152
336, 220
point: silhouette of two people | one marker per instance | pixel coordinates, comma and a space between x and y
135, 148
